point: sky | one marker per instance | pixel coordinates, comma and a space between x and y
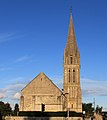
33, 36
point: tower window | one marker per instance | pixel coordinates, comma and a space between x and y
72, 105
71, 60
69, 75
33, 97
73, 75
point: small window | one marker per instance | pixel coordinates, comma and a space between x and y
72, 105
33, 97
69, 75
22, 97
73, 75
71, 60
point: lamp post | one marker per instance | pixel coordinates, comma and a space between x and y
67, 103
94, 104
68, 113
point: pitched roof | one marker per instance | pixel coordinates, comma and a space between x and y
41, 74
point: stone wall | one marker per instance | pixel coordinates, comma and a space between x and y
41, 90
41, 118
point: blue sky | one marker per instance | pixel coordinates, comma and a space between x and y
33, 35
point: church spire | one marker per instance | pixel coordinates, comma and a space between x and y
72, 71
71, 27
71, 46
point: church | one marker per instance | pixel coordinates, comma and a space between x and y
41, 94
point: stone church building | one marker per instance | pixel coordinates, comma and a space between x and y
41, 94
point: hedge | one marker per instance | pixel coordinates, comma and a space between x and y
49, 114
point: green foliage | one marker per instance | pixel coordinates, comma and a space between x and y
98, 109
16, 110
87, 107
5, 108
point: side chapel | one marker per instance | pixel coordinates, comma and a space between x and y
41, 94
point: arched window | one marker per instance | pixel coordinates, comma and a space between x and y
33, 98
33, 103
73, 75
72, 105
71, 60
22, 103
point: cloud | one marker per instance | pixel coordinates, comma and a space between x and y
6, 37
17, 96
94, 87
90, 87
2, 96
11, 91
60, 84
18, 80
5, 68
58, 81
21, 59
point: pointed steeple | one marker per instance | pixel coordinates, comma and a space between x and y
71, 46
71, 27
71, 33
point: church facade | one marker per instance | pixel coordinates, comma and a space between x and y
41, 94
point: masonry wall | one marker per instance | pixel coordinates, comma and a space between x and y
41, 90
41, 118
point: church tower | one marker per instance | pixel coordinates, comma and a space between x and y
72, 89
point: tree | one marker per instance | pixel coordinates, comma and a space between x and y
87, 107
5, 108
98, 109
16, 109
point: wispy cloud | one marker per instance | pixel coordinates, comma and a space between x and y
94, 87
6, 37
58, 80
90, 87
21, 59
5, 68
60, 84
17, 96
2, 96
11, 91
